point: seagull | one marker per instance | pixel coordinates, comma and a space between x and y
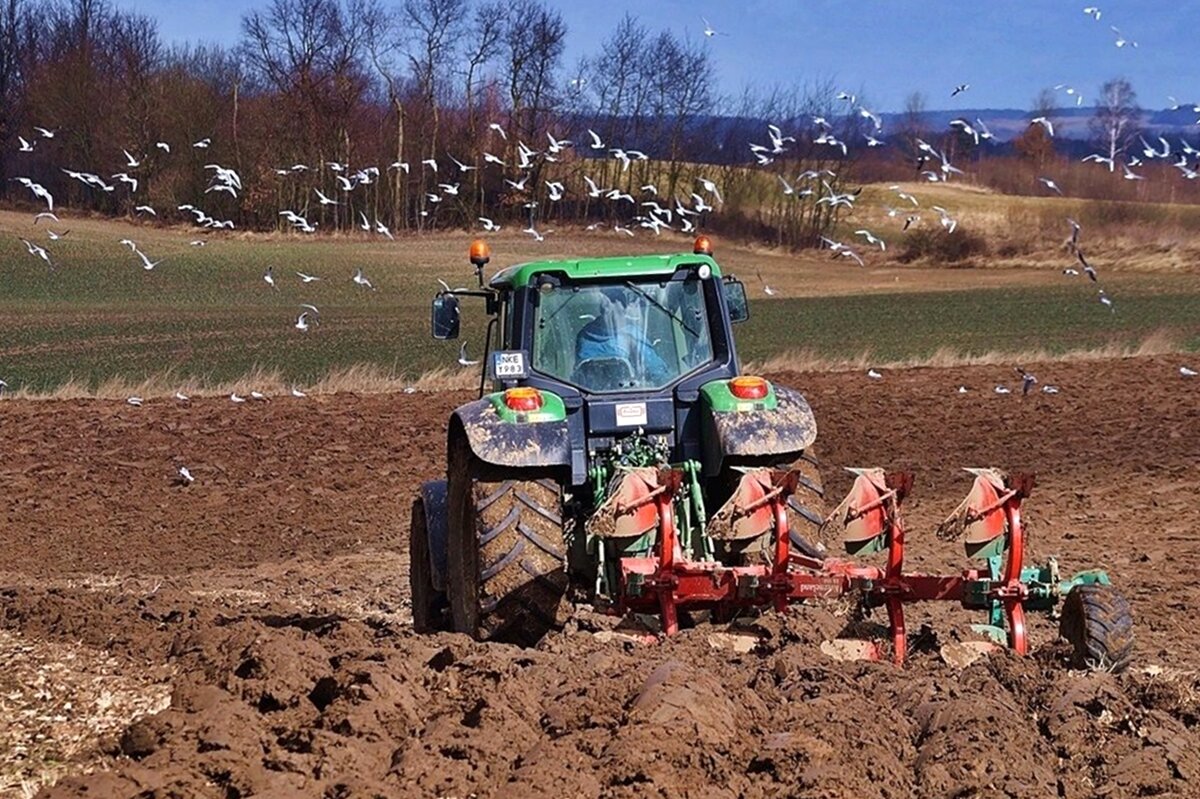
258, 395
202, 144
596, 143
362, 280
302, 322
462, 356
711, 188
145, 209
162, 145
147, 264
1027, 380
1002, 390
307, 278
557, 145
324, 200
874, 375
536, 235
134, 401
948, 222
1106, 300
1093, 12
37, 251
1130, 174
269, 278
966, 128
1045, 123
489, 225
179, 395
1121, 40
1049, 389
872, 239
959, 89
1050, 184
26, 147
46, 134
56, 236
185, 477
1091, 271
235, 398
496, 126
298, 393
131, 162
1186, 372
709, 31
39, 191
124, 178
44, 214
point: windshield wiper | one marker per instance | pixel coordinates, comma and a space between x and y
664, 309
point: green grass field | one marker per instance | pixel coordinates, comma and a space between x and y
206, 317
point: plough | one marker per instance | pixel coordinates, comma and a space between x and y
869, 520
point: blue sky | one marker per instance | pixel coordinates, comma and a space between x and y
1006, 49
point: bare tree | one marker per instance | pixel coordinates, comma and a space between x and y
534, 43
12, 13
1118, 119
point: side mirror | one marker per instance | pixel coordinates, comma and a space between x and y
735, 299
445, 317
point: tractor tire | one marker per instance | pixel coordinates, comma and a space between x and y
1098, 623
507, 555
807, 508
428, 604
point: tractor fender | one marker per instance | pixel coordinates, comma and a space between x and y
504, 443
437, 528
788, 429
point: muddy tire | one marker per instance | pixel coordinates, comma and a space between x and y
1098, 623
507, 557
807, 508
428, 604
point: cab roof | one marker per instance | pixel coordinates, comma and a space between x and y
620, 267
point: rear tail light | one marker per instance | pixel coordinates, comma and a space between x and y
748, 388
523, 399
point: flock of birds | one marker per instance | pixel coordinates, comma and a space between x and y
648, 210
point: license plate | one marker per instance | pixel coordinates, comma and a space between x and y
509, 365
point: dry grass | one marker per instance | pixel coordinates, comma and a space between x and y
370, 379
358, 379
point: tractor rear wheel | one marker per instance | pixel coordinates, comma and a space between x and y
807, 508
428, 604
506, 557
1098, 623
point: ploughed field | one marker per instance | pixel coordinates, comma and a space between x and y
260, 615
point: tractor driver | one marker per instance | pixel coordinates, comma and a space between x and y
618, 333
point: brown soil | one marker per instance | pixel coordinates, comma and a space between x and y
270, 599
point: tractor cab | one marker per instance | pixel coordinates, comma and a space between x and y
625, 346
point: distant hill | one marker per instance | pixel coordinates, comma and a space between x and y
1071, 124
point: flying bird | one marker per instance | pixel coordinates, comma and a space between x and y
1028, 380
361, 279
710, 31
959, 89
462, 356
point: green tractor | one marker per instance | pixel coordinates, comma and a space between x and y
622, 459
